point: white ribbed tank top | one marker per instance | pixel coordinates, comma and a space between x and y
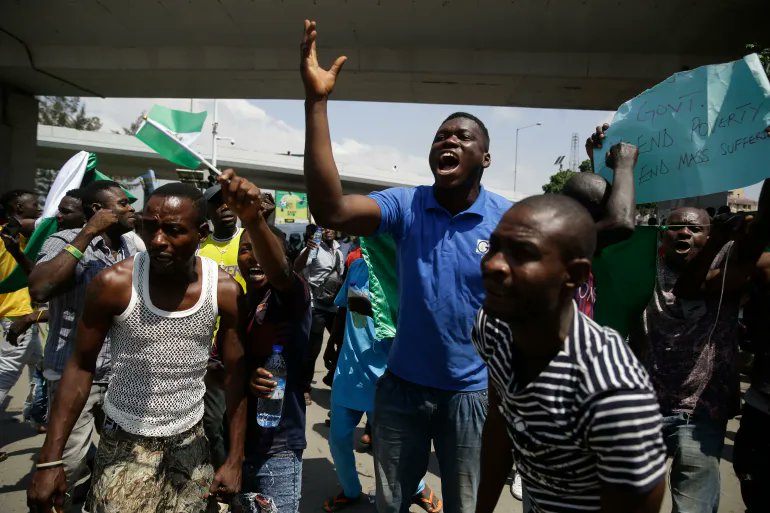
159, 358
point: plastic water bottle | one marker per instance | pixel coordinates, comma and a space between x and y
269, 409
317, 239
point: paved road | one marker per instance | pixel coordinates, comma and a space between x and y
318, 480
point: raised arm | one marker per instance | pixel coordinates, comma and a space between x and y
301, 261
244, 198
617, 224
227, 479
354, 214
53, 276
496, 457
617, 221
106, 296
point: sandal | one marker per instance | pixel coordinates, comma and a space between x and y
339, 502
431, 503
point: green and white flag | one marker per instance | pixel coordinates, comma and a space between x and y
171, 132
77, 172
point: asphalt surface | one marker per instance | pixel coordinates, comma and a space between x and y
319, 480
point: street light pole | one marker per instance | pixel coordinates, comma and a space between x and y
215, 137
516, 153
214, 127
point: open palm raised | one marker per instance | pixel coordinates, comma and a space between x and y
319, 82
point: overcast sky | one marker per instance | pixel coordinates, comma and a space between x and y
372, 137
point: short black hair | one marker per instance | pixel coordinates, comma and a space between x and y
473, 118
9, 199
76, 194
91, 193
579, 240
186, 191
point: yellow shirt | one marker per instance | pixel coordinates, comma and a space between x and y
16, 303
225, 254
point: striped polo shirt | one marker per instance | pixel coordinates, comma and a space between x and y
590, 417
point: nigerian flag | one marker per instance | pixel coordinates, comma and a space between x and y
171, 132
77, 172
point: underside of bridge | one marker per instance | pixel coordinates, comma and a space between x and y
530, 53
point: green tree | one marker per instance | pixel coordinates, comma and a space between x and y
134, 126
66, 111
764, 55
557, 181
586, 167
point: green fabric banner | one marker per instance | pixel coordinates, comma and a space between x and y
380, 255
624, 277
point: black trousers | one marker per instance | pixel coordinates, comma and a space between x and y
322, 320
751, 459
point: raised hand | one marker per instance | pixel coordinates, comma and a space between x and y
596, 139
622, 155
319, 82
243, 197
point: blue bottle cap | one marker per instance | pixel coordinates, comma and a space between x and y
277, 349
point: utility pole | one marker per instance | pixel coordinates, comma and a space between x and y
516, 154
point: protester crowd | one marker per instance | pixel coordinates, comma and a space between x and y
160, 324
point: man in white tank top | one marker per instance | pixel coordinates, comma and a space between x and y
160, 310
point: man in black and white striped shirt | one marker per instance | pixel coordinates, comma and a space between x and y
569, 400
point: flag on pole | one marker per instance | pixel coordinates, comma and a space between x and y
171, 132
77, 172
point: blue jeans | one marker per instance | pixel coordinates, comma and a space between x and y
37, 411
695, 445
278, 476
343, 423
407, 417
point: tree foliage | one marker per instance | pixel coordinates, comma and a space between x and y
557, 181
134, 126
66, 111
586, 167
763, 53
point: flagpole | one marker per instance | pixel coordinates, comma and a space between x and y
214, 134
194, 153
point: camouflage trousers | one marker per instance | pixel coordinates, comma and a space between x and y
135, 474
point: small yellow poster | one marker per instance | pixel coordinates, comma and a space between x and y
290, 207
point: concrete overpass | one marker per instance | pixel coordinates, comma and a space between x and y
591, 54
126, 156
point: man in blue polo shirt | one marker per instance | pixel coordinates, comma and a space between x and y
435, 389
